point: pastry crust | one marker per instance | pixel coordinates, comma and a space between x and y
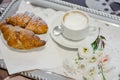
20, 31
37, 25
20, 19
28, 21
19, 38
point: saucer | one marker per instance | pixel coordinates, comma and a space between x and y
61, 40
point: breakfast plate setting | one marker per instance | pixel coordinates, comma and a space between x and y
70, 43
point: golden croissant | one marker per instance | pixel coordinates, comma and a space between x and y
20, 38
28, 21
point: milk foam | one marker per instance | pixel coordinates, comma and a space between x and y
75, 21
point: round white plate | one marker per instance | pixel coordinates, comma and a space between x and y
65, 42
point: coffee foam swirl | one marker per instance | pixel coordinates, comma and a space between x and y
75, 20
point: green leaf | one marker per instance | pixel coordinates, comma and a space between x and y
103, 44
102, 37
100, 49
94, 45
97, 39
98, 43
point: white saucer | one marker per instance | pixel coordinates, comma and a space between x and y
65, 42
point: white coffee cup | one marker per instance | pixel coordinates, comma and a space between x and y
75, 25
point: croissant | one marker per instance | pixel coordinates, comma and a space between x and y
20, 38
20, 19
6, 30
37, 25
28, 21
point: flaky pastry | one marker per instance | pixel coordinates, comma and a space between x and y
20, 38
28, 21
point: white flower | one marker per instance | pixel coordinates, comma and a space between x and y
91, 71
85, 50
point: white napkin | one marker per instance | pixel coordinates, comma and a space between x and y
44, 59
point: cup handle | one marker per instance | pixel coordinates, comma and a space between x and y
92, 30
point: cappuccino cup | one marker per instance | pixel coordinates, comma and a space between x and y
75, 25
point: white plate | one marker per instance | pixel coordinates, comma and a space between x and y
65, 42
